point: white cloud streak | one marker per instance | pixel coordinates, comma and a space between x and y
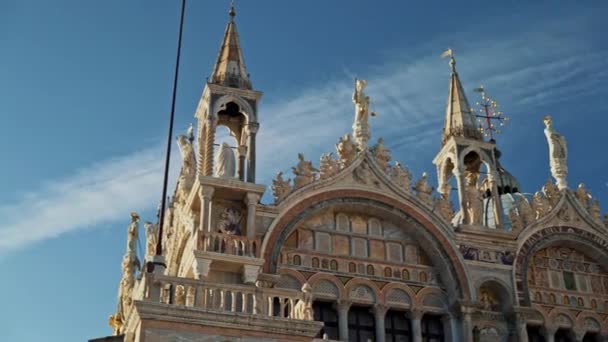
409, 97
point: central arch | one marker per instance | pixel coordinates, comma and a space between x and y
433, 239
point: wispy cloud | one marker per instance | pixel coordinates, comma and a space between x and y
102, 192
409, 96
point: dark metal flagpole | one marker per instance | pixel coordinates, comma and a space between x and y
159, 246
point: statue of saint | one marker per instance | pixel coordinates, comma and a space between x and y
474, 200
225, 162
230, 221
361, 125
558, 153
151, 238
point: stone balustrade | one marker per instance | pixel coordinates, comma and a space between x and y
230, 244
226, 298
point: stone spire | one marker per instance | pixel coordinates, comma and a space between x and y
229, 70
459, 119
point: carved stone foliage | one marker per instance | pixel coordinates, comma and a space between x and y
280, 187
490, 256
381, 154
563, 276
328, 166
444, 208
346, 150
424, 190
400, 176
364, 175
304, 172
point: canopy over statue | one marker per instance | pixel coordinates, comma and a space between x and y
225, 163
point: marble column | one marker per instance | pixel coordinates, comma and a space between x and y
205, 195
379, 312
415, 317
462, 200
252, 201
467, 327
242, 154
343, 307
522, 328
549, 332
449, 327
252, 129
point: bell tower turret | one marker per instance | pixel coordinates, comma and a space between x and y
228, 100
466, 156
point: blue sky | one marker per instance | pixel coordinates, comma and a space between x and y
85, 93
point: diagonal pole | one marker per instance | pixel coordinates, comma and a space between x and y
159, 246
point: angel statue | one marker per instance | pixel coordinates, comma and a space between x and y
558, 153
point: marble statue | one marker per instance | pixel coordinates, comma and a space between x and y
188, 170
132, 233
582, 195
361, 125
116, 323
180, 295
151, 238
486, 300
304, 171
230, 221
303, 308
381, 154
400, 176
558, 154
424, 190
225, 162
474, 199
328, 166
346, 150
280, 187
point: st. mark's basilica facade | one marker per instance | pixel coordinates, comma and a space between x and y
355, 249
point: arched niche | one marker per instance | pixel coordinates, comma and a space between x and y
315, 216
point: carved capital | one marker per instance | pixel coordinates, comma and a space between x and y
252, 199
415, 314
343, 305
250, 273
379, 310
201, 268
242, 150
550, 330
253, 127
206, 192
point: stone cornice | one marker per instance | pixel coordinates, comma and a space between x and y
244, 322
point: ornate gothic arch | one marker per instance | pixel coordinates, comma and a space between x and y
433, 239
572, 237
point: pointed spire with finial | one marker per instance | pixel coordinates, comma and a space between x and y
229, 70
459, 119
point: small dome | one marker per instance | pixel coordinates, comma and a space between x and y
505, 182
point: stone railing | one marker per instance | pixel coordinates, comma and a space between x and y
230, 244
227, 298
